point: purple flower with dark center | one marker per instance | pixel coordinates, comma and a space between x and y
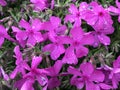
33, 74
31, 35
77, 48
98, 17
75, 14
87, 75
54, 34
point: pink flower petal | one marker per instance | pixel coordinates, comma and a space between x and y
48, 48
57, 51
118, 3
104, 39
105, 86
81, 51
27, 85
73, 9
78, 82
77, 23
36, 24
87, 68
57, 66
97, 76
14, 73
38, 36
36, 61
70, 57
87, 39
73, 71
53, 82
77, 33
113, 9
31, 40
55, 21
70, 18
24, 24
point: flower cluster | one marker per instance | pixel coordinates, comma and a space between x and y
62, 45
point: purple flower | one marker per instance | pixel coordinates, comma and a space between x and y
100, 38
3, 35
20, 63
39, 4
54, 27
115, 10
54, 34
33, 74
31, 35
53, 72
75, 14
115, 73
98, 17
56, 49
77, 42
87, 75
3, 3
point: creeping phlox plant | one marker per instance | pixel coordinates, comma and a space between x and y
59, 45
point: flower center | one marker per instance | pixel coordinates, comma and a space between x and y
31, 32
34, 71
78, 14
101, 14
76, 43
85, 78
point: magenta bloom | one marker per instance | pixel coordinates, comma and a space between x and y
75, 14
20, 63
3, 3
55, 32
100, 38
115, 73
33, 74
98, 17
54, 27
89, 76
53, 72
77, 48
115, 10
31, 35
39, 4
56, 49
3, 35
